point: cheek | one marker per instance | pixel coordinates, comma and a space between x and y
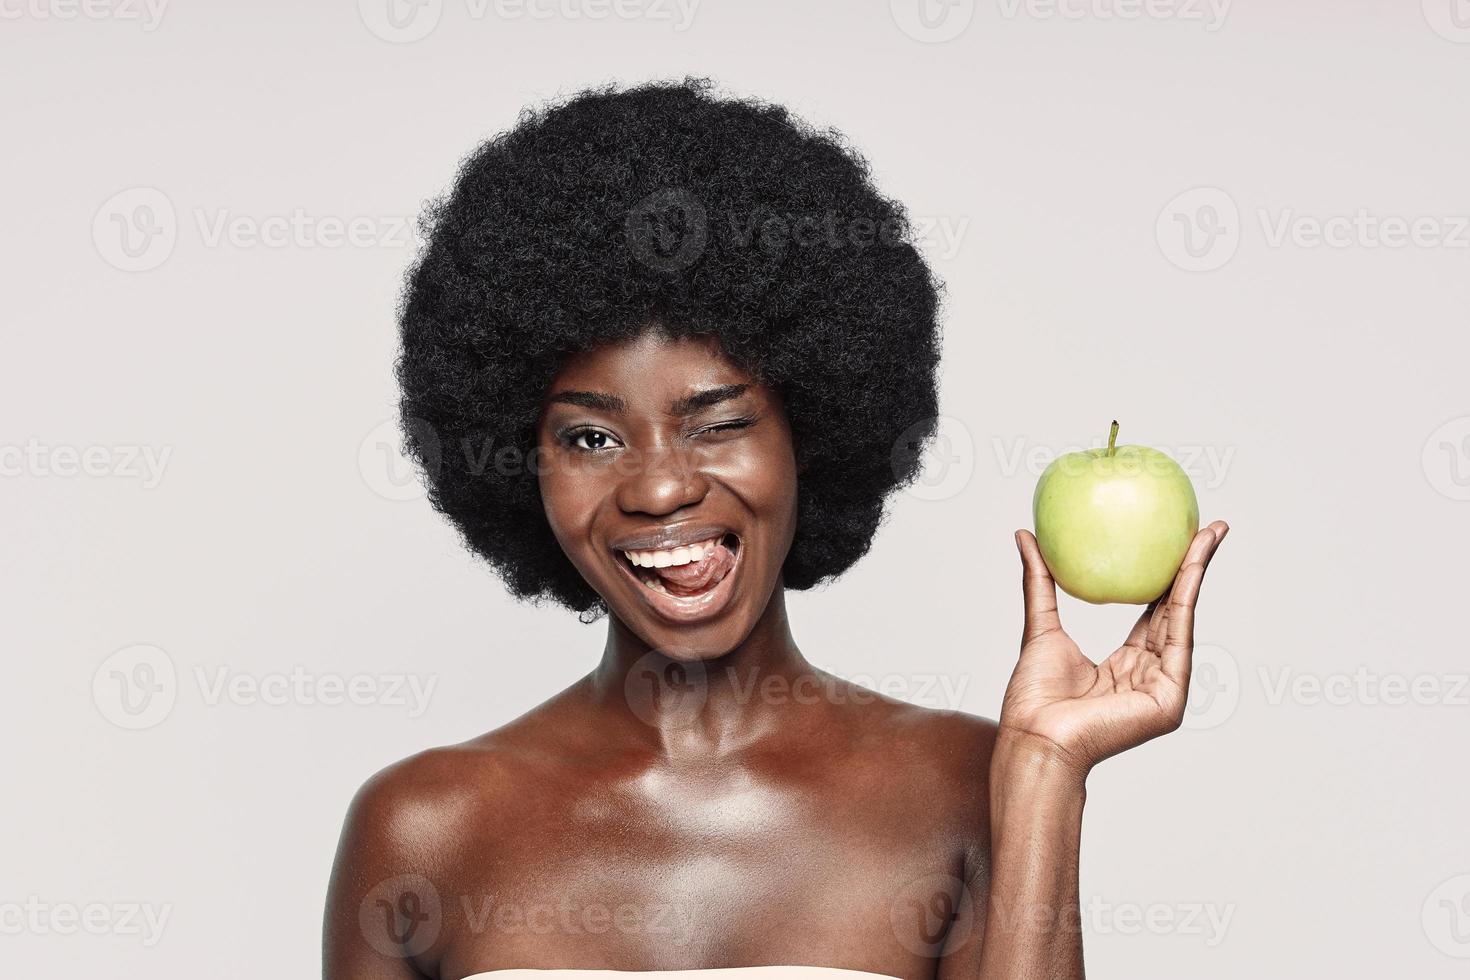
763, 472
569, 499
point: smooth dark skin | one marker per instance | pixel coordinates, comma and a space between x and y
707, 798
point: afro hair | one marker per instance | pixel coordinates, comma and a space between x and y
600, 215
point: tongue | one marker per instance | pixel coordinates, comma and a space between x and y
696, 576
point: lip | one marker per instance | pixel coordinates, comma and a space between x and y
669, 538
684, 611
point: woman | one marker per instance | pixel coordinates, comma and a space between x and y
665, 356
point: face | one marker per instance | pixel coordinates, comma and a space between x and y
669, 478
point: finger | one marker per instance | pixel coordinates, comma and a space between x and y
1158, 628
1158, 623
1037, 588
1178, 647
1136, 661
1138, 635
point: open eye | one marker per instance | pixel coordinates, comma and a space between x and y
588, 439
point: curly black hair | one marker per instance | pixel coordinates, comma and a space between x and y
665, 204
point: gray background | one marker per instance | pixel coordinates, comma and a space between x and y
1129, 191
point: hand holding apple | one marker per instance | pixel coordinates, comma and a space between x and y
1062, 703
1119, 524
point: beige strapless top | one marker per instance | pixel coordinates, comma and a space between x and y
716, 973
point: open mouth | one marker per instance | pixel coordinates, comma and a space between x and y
689, 582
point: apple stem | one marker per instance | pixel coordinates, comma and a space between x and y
1113, 438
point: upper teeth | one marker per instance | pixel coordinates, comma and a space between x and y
673, 556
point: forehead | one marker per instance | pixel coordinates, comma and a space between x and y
650, 364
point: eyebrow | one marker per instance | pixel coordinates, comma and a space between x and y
687, 405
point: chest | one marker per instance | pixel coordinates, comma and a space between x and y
671, 875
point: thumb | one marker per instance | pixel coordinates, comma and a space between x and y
1037, 589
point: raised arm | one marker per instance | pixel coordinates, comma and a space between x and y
1062, 715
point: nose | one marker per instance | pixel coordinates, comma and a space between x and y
661, 481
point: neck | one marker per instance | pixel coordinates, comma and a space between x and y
704, 706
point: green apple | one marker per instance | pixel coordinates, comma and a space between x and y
1114, 524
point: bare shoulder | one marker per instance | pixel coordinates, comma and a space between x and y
941, 737
411, 813
938, 756
951, 753
405, 844
406, 809
953, 745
